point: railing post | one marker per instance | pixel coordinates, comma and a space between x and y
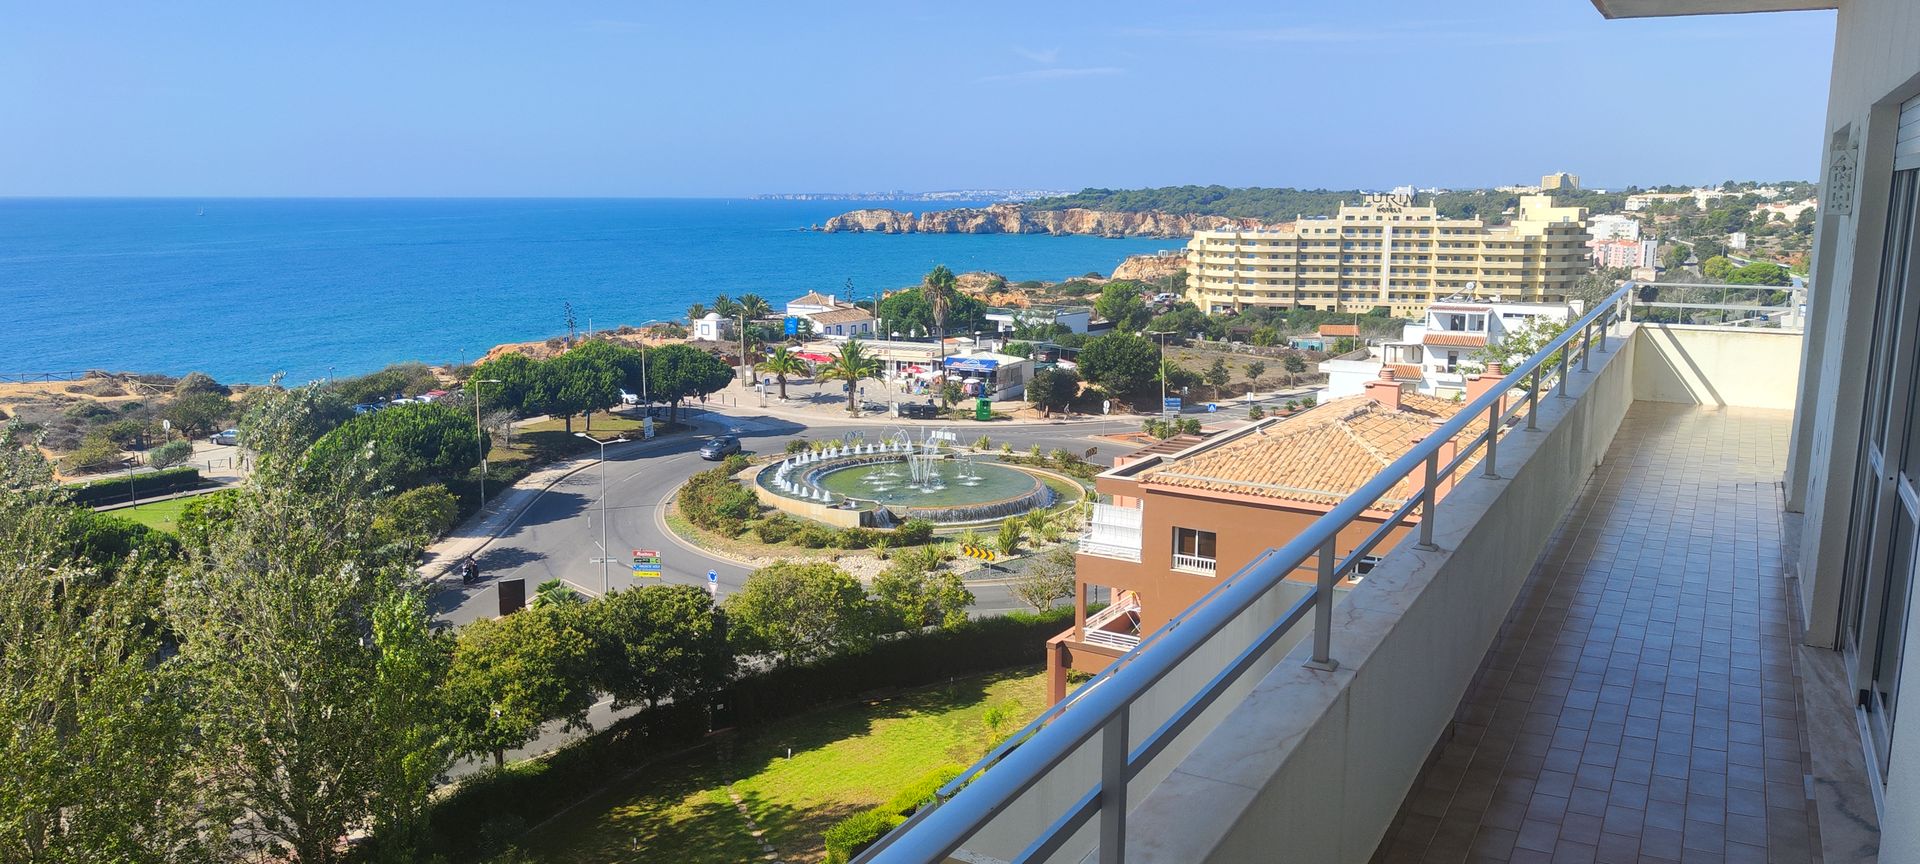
1560, 389
1586, 346
1533, 402
1603, 334
1323, 611
1113, 789
1493, 437
1429, 496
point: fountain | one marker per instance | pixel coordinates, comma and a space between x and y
896, 478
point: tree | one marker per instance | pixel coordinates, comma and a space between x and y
910, 311
1760, 273
1053, 388
307, 646
677, 372
1707, 247
288, 422
1254, 370
513, 675
1676, 256
554, 594
1265, 336
1121, 362
404, 446
915, 597
1120, 303
416, 516
1047, 580
1217, 376
755, 307
938, 286
1717, 268
1294, 364
398, 379
654, 644
781, 363
94, 711
519, 379
590, 377
800, 612
197, 414
851, 365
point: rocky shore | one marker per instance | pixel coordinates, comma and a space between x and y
1020, 219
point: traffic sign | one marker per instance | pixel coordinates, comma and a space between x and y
793, 325
646, 563
1170, 405
713, 583
980, 552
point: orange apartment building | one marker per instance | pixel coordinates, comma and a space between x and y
1182, 513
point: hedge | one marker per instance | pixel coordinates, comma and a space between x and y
487, 811
121, 489
852, 835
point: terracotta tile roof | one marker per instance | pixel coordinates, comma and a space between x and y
1319, 456
1339, 329
1457, 340
841, 316
1405, 371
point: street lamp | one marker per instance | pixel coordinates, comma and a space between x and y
1162, 336
605, 553
483, 435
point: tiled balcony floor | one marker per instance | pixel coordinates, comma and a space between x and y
1640, 702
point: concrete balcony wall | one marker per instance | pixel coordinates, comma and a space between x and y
1313, 766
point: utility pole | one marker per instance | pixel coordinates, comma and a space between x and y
746, 365
483, 435
606, 555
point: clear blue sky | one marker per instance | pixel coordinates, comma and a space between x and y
717, 98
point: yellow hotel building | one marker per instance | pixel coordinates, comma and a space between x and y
1388, 252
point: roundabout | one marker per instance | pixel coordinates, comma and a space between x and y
883, 484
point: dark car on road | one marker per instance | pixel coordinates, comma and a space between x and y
719, 447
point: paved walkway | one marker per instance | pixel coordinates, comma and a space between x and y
1641, 703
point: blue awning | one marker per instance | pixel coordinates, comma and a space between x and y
972, 364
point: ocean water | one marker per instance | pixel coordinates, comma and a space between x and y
246, 288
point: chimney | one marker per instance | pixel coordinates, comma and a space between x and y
1385, 391
1479, 385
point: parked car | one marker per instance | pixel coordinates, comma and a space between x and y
719, 447
629, 398
227, 438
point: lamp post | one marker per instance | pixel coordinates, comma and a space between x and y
483, 435
605, 553
1161, 335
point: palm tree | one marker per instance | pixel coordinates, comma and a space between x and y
755, 306
782, 363
696, 312
851, 365
553, 593
726, 307
938, 288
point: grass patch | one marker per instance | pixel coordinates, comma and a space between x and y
159, 515
845, 759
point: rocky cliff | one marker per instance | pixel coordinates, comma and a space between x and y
1019, 219
1146, 268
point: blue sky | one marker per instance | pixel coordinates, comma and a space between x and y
715, 99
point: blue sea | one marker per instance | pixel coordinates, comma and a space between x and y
246, 288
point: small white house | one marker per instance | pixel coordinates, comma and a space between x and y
1075, 318
1433, 352
712, 328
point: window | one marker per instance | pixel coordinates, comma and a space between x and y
1193, 542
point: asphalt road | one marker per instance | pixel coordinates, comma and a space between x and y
559, 535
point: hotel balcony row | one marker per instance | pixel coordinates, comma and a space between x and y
1585, 653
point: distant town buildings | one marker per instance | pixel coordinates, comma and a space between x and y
1613, 226
1389, 252
831, 316
1435, 356
1562, 180
1625, 253
1784, 210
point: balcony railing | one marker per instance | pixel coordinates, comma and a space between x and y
1114, 532
1125, 726
1106, 639
1195, 564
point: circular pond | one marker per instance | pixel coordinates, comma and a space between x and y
946, 483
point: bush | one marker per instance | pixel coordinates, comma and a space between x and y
90, 411
913, 532
1256, 412
814, 536
712, 498
96, 452
852, 835
170, 454
909, 800
417, 515
777, 528
797, 445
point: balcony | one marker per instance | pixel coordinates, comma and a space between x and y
1114, 532
1584, 653
1194, 564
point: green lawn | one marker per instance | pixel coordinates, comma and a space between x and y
161, 515
844, 760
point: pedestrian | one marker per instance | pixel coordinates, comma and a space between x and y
469, 571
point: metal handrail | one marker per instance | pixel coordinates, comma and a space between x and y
1102, 706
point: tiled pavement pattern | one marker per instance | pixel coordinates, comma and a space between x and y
1640, 702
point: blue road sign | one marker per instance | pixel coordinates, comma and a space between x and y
793, 325
713, 582
1170, 405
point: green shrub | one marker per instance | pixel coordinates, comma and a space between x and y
776, 528
852, 835
913, 532
909, 800
983, 443
797, 445
170, 454
1256, 412
129, 487
97, 452
90, 412
713, 497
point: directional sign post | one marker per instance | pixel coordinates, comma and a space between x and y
646, 563
1170, 405
713, 583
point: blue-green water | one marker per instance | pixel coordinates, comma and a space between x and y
244, 288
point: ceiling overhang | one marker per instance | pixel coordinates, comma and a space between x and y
1664, 8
